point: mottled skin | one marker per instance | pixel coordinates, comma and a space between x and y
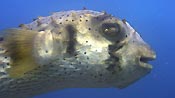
73, 49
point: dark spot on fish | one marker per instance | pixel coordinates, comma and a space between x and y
89, 28
80, 16
81, 73
119, 68
84, 52
8, 64
67, 15
111, 67
66, 19
65, 68
72, 20
1, 38
88, 58
75, 55
113, 72
100, 75
3, 67
51, 65
72, 41
126, 35
117, 41
86, 41
80, 20
86, 20
60, 22
46, 51
5, 57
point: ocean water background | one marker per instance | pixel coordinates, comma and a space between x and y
153, 19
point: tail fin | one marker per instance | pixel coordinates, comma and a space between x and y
16, 50
4, 60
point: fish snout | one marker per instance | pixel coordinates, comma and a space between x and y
146, 55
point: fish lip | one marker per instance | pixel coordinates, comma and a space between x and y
144, 61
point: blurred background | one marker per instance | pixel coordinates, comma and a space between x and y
153, 19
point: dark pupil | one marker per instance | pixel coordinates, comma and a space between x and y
111, 29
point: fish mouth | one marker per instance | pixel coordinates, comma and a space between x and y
144, 61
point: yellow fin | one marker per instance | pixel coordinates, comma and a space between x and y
19, 44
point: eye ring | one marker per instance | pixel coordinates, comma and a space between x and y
111, 29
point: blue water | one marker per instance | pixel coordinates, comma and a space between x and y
153, 19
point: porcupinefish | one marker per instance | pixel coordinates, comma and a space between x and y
71, 49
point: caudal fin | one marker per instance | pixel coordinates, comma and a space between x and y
16, 49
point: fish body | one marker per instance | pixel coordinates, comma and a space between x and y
71, 49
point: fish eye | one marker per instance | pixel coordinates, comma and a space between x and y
111, 29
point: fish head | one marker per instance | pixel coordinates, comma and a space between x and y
127, 54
